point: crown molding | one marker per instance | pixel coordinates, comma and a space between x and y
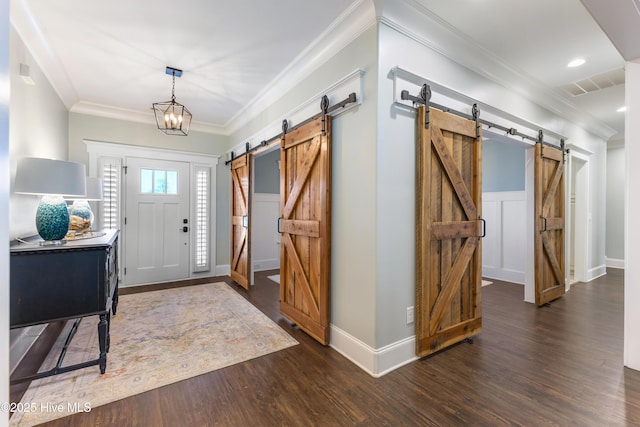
615, 143
409, 17
352, 23
351, 83
28, 27
412, 19
100, 110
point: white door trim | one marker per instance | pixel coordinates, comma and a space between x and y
98, 149
582, 236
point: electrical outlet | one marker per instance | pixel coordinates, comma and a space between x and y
410, 315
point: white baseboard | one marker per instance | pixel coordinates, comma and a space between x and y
223, 270
503, 274
614, 263
595, 272
375, 362
266, 264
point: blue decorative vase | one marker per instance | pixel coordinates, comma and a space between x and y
82, 209
52, 218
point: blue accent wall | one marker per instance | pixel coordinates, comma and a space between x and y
503, 166
266, 173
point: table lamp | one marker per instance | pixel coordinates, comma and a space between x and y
53, 180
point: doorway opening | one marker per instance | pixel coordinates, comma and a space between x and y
156, 177
265, 211
578, 205
504, 208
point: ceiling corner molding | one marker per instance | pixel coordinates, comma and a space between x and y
336, 92
93, 109
28, 28
615, 143
412, 19
352, 23
620, 21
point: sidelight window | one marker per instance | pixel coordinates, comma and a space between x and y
202, 218
110, 169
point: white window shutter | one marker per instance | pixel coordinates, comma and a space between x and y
202, 206
111, 174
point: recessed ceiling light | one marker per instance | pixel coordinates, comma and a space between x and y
622, 109
576, 62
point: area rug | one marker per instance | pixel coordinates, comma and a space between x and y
157, 338
486, 282
275, 278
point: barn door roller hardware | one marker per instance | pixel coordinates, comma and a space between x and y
424, 98
325, 109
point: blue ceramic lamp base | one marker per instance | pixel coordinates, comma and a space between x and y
52, 220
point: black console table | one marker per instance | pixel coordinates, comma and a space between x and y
72, 281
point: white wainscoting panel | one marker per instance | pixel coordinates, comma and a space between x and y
265, 239
503, 248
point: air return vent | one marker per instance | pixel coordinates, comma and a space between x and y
597, 82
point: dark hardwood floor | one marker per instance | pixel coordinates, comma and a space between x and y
559, 365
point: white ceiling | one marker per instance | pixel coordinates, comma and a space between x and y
112, 55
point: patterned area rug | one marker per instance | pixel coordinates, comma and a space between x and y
157, 338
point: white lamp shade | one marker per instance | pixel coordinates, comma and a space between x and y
47, 176
94, 190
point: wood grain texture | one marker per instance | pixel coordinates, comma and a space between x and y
448, 226
305, 228
240, 205
549, 234
522, 370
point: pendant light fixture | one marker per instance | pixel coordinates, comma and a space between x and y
172, 117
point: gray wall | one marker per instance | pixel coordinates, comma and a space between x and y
615, 202
353, 282
82, 126
38, 128
266, 173
502, 166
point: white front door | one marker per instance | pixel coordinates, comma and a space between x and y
156, 221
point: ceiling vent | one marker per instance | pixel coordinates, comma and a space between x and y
597, 82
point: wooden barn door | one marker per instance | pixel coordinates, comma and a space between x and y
448, 231
305, 208
549, 214
240, 231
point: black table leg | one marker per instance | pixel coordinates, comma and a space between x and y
108, 331
103, 327
114, 302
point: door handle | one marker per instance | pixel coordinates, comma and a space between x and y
545, 224
484, 228
245, 221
